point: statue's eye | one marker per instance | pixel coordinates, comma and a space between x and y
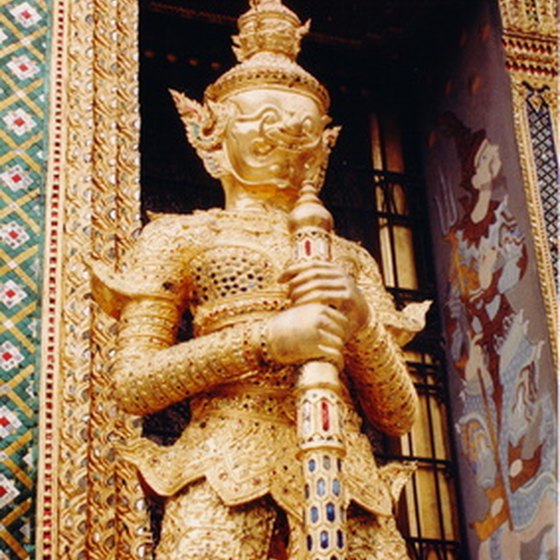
270, 116
308, 125
261, 148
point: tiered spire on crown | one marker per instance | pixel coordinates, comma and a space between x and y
269, 26
266, 47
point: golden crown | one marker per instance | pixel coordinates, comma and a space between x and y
268, 26
266, 47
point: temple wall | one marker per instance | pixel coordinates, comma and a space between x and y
499, 350
66, 86
24, 30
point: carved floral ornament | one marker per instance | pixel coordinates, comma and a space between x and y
531, 16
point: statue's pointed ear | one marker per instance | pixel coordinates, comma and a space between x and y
330, 136
205, 126
328, 141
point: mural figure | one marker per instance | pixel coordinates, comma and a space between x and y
506, 429
233, 474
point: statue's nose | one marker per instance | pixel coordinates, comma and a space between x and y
293, 124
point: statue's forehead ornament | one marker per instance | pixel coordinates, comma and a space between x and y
266, 47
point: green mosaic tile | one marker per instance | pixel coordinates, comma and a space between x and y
24, 28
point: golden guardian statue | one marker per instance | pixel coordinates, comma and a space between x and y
292, 327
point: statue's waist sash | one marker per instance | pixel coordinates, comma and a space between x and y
242, 439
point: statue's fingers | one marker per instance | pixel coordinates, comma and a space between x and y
334, 299
334, 322
316, 274
315, 288
331, 336
332, 355
300, 271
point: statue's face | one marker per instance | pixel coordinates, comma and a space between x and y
274, 140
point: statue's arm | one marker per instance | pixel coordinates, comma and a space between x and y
151, 370
374, 357
381, 379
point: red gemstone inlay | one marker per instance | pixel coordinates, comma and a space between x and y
4, 421
16, 178
19, 122
307, 247
325, 420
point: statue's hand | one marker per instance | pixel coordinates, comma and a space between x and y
327, 283
312, 331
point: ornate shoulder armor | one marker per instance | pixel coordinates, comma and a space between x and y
156, 267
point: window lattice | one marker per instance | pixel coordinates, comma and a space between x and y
542, 140
429, 509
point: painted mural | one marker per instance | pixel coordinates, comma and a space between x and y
506, 424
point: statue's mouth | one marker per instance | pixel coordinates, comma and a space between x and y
291, 140
278, 139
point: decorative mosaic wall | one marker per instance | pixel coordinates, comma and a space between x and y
23, 46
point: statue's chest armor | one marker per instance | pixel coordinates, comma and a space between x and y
237, 275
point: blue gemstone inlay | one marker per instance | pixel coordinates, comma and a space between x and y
340, 539
336, 487
330, 512
309, 542
321, 487
314, 514
324, 539
311, 465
